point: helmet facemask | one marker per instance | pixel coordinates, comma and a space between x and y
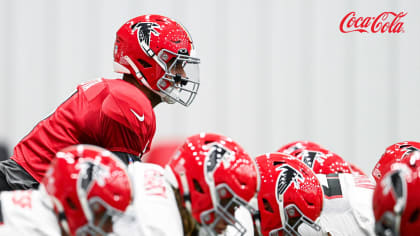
388, 224
181, 80
225, 204
296, 219
292, 219
102, 217
224, 200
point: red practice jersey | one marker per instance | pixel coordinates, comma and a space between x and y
110, 113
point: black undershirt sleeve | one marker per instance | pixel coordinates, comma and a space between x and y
127, 157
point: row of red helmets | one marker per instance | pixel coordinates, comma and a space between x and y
295, 164
396, 175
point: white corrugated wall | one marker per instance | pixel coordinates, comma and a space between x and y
272, 71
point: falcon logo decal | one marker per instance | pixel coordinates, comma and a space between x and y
144, 31
287, 176
217, 153
92, 173
408, 150
310, 157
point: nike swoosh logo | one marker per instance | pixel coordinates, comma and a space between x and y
140, 118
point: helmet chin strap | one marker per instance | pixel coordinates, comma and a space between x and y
163, 96
281, 210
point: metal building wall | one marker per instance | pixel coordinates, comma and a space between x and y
272, 71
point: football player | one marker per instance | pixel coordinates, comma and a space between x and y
197, 192
347, 196
155, 55
85, 189
290, 199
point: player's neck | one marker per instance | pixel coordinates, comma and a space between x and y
154, 98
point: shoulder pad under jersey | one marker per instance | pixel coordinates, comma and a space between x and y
128, 106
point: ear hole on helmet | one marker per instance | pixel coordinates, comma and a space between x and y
71, 204
183, 51
267, 206
414, 216
243, 184
197, 186
144, 64
209, 141
116, 195
275, 163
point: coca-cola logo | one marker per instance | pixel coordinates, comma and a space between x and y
386, 22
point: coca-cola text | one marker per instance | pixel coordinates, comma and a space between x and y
386, 22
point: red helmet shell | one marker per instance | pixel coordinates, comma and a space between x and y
81, 174
322, 161
393, 154
396, 196
282, 174
298, 145
142, 37
208, 161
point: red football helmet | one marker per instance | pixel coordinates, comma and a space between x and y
395, 202
159, 52
215, 176
393, 154
290, 195
322, 161
356, 170
89, 186
298, 145
162, 151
